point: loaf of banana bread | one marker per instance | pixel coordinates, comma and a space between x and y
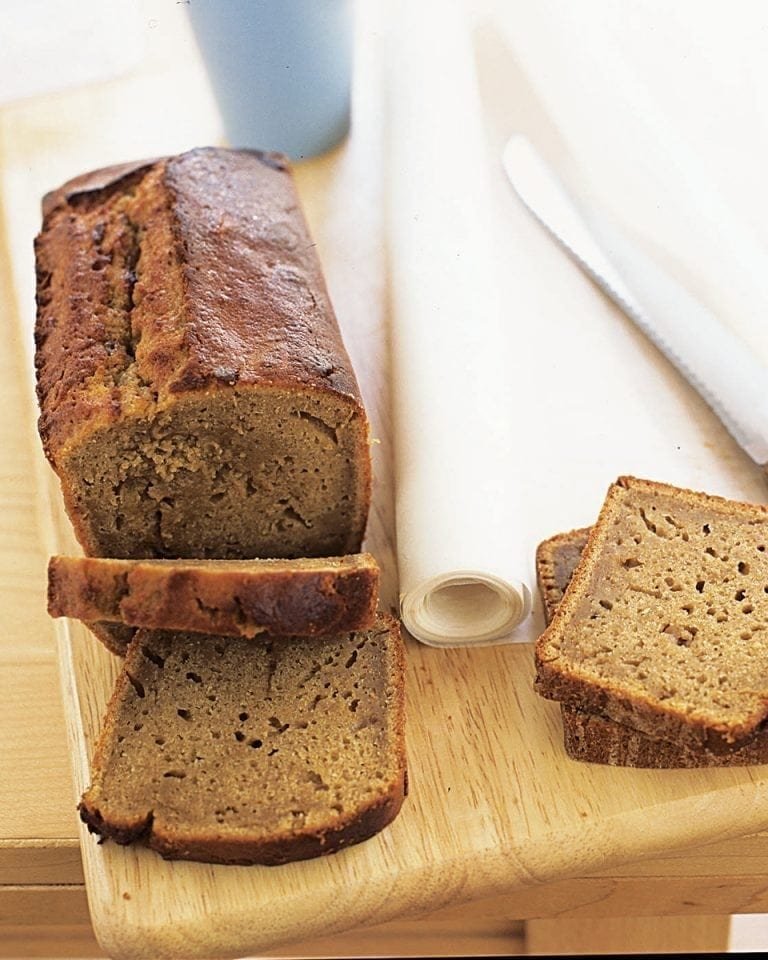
196, 399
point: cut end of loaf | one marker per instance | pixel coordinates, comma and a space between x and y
265, 474
665, 624
252, 752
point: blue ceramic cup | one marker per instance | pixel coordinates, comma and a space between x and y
280, 70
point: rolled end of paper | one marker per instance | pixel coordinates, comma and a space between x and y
464, 608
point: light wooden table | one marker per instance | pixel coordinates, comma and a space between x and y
503, 847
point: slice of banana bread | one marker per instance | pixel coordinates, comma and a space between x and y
196, 399
595, 739
304, 597
556, 560
663, 627
227, 750
592, 738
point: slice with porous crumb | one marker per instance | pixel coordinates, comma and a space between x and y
306, 597
592, 738
663, 627
556, 560
252, 751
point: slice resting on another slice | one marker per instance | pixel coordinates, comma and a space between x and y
592, 738
306, 597
664, 626
252, 752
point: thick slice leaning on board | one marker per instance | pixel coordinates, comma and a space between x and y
592, 738
252, 751
664, 626
305, 597
196, 399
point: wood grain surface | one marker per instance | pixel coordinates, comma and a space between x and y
495, 810
37, 824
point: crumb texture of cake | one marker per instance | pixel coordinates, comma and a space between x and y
196, 399
305, 597
665, 624
592, 738
252, 752
556, 559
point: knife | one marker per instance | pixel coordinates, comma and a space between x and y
717, 363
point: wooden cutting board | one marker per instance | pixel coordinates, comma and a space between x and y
495, 805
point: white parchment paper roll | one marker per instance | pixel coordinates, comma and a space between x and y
459, 553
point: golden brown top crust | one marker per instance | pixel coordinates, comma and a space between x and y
95, 182
166, 277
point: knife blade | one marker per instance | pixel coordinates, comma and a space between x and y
717, 363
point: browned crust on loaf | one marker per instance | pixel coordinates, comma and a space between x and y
94, 184
304, 597
238, 303
355, 827
637, 712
